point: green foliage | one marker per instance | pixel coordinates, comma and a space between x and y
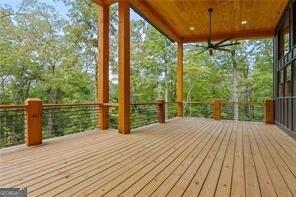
10, 137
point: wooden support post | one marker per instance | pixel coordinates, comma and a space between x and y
33, 122
269, 111
124, 67
103, 67
180, 80
161, 111
217, 109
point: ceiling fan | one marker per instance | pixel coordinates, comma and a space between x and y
220, 46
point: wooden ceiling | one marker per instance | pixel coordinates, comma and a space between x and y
176, 18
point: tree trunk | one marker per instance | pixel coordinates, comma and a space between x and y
188, 99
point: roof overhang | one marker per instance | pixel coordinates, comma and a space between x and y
188, 20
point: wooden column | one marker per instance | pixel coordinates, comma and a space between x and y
180, 80
161, 111
103, 66
269, 111
33, 122
124, 67
217, 109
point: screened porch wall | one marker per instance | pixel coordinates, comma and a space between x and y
285, 70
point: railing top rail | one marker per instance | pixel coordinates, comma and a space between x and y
116, 104
70, 105
150, 103
12, 107
111, 104
244, 102
171, 102
199, 102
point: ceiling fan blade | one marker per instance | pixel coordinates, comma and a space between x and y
231, 44
202, 51
222, 41
223, 49
201, 47
195, 45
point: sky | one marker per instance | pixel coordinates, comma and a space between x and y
59, 6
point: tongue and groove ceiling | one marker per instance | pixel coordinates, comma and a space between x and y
188, 20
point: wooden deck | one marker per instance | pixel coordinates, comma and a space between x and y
186, 156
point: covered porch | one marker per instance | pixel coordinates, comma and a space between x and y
185, 156
176, 153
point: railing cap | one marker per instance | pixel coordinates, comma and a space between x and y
32, 100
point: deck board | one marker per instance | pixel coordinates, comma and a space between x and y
184, 157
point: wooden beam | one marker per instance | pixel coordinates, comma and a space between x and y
180, 80
110, 2
143, 9
104, 2
235, 36
99, 2
124, 67
103, 66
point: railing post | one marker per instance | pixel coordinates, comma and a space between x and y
217, 109
33, 122
269, 111
161, 111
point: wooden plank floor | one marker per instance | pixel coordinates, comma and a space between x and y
184, 157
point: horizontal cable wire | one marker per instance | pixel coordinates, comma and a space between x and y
64, 120
12, 126
246, 111
171, 110
142, 115
198, 109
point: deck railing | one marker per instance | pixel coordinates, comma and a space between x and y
199, 109
143, 114
243, 111
63, 119
59, 120
113, 115
12, 118
170, 110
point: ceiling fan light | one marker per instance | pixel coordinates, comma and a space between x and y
244, 22
191, 28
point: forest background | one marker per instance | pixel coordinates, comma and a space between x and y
50, 52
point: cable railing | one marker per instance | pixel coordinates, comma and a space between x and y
170, 110
64, 119
143, 114
198, 109
243, 111
12, 119
113, 115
